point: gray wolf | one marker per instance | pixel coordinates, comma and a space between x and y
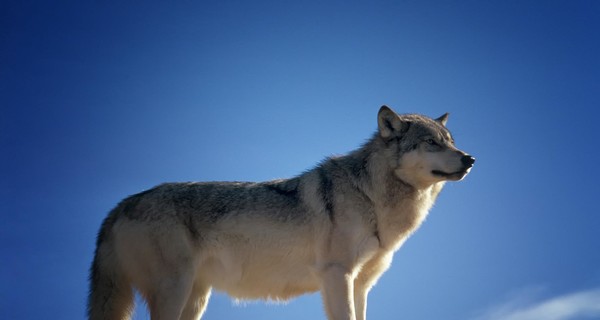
332, 229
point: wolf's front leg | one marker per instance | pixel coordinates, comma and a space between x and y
337, 290
365, 280
360, 303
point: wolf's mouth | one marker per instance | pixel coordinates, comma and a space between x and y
453, 175
442, 173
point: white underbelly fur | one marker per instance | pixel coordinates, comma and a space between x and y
260, 268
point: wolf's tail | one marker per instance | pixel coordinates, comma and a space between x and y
111, 294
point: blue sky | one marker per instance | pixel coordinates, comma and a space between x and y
103, 99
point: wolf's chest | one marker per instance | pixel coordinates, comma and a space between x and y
398, 221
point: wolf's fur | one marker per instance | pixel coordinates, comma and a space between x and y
332, 229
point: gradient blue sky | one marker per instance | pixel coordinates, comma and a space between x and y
103, 99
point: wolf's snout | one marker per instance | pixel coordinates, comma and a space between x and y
468, 160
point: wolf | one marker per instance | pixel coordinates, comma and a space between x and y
332, 229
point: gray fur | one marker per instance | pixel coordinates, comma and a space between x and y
341, 220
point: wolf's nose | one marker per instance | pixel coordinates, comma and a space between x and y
467, 160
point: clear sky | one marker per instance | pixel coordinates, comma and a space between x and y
103, 99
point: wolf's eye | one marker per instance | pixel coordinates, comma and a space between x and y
431, 142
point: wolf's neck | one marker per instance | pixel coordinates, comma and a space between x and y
398, 219
399, 207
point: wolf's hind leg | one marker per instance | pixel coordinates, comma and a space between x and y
196, 303
172, 277
168, 301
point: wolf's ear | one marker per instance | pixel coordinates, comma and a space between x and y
443, 119
389, 122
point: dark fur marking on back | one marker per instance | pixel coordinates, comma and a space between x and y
188, 221
288, 188
358, 169
325, 188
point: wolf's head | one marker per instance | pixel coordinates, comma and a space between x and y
421, 150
